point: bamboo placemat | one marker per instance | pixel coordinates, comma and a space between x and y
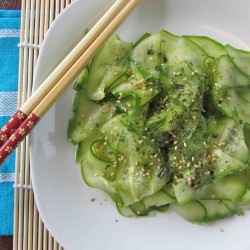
29, 231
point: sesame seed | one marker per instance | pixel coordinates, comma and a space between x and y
176, 73
140, 141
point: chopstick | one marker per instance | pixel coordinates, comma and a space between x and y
24, 120
60, 70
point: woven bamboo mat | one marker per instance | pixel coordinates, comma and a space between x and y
29, 231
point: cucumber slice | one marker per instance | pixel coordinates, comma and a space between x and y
210, 46
107, 67
83, 146
95, 177
225, 164
126, 211
139, 161
233, 207
228, 136
245, 197
139, 209
88, 117
97, 172
146, 58
181, 49
215, 209
230, 188
241, 58
232, 91
183, 192
135, 94
246, 131
157, 200
192, 211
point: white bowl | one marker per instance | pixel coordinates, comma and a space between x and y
63, 199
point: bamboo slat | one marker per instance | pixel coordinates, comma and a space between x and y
29, 230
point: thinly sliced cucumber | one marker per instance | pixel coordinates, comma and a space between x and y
126, 211
146, 58
83, 146
135, 94
150, 140
246, 132
230, 188
139, 165
157, 200
233, 206
215, 209
139, 209
210, 46
88, 117
241, 58
97, 172
192, 211
232, 90
226, 164
107, 67
183, 192
94, 178
180, 49
228, 136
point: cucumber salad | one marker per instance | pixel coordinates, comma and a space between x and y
164, 124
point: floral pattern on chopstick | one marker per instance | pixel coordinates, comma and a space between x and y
16, 137
11, 126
